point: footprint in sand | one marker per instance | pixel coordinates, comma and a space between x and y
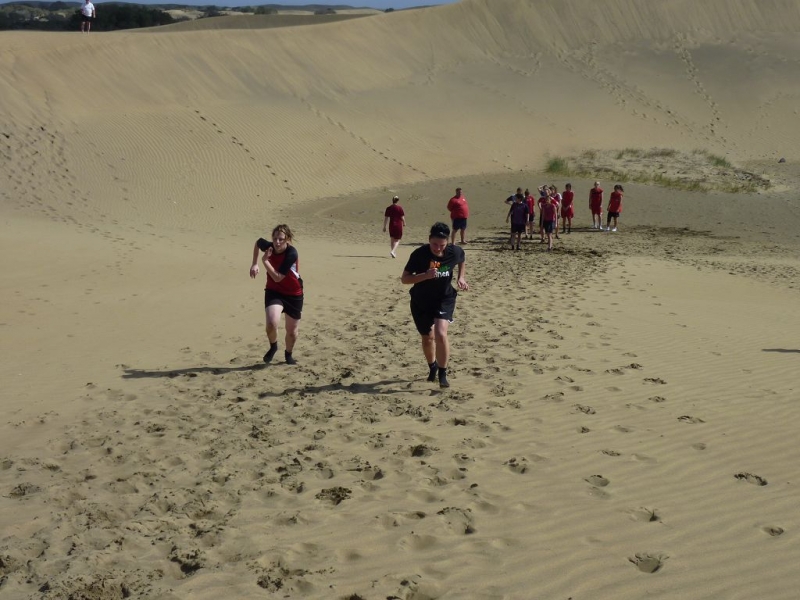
459, 520
750, 478
690, 419
644, 514
587, 410
648, 563
773, 531
517, 466
597, 481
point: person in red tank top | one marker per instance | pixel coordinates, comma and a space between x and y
459, 213
531, 202
395, 218
596, 205
567, 209
614, 207
284, 289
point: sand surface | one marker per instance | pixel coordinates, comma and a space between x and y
623, 411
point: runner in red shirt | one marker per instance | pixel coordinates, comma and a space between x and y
531, 202
459, 213
567, 209
614, 207
596, 205
541, 202
549, 220
557, 201
284, 290
394, 217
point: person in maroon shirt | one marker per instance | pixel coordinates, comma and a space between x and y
531, 202
614, 207
567, 209
394, 217
284, 290
549, 220
596, 205
459, 213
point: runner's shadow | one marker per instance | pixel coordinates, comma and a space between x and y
378, 387
191, 371
782, 350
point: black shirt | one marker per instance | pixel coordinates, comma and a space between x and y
440, 287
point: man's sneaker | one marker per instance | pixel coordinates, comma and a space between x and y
614, 229
443, 383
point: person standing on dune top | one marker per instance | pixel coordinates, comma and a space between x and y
88, 13
430, 271
284, 291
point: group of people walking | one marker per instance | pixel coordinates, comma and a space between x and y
550, 205
431, 269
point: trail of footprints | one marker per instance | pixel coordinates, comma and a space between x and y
245, 148
360, 139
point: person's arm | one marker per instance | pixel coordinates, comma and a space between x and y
385, 222
254, 263
462, 273
508, 216
403, 219
289, 259
409, 278
271, 272
94, 11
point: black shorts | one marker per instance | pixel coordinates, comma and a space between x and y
85, 19
518, 228
292, 305
459, 224
549, 226
425, 313
531, 218
613, 215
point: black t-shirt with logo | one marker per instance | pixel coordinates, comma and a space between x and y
434, 290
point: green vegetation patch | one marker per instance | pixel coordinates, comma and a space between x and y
696, 171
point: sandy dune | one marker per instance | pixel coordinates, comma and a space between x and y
623, 411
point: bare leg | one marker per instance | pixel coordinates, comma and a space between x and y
273, 313
292, 327
429, 347
273, 320
441, 342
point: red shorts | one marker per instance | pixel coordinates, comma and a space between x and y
597, 209
568, 212
396, 233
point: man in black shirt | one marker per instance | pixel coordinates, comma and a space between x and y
430, 269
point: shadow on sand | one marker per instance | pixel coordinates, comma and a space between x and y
191, 371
